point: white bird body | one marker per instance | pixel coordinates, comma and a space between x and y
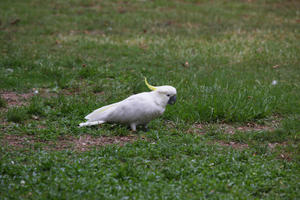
138, 109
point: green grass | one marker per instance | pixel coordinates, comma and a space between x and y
17, 115
2, 103
86, 54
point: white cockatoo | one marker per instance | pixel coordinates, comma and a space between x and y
138, 109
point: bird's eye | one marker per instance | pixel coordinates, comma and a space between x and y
168, 95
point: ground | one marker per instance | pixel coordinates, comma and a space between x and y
233, 133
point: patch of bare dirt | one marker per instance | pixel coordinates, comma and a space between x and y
229, 129
16, 141
275, 144
16, 99
70, 92
234, 145
83, 143
87, 141
20, 99
200, 128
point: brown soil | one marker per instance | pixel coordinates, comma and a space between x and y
234, 145
87, 141
199, 128
15, 99
21, 99
83, 143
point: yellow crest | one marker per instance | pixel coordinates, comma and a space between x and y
149, 86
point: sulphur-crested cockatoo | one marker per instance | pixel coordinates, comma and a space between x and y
138, 109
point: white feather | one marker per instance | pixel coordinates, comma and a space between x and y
136, 109
91, 123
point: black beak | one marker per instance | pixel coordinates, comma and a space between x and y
172, 100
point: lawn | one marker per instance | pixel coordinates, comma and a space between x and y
233, 133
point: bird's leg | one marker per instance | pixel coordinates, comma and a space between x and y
133, 127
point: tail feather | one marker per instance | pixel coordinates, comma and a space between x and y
91, 123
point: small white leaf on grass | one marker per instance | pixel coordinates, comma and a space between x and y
55, 89
274, 82
35, 117
10, 70
35, 91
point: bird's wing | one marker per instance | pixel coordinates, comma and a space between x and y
139, 107
100, 113
136, 108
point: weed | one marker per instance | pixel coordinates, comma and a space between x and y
36, 107
17, 115
2, 102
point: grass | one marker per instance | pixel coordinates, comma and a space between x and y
17, 115
221, 56
2, 103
